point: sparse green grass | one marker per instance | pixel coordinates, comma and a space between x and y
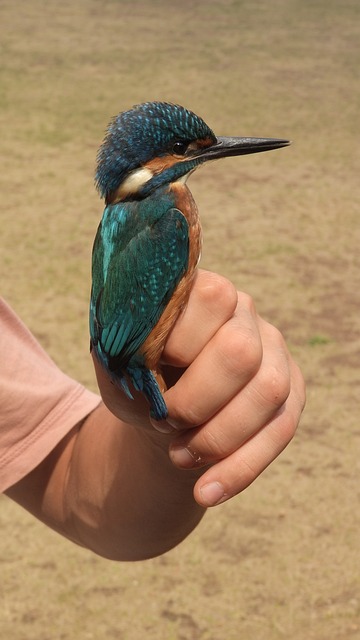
318, 340
281, 560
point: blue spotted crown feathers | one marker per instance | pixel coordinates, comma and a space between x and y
144, 132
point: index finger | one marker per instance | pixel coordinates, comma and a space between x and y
224, 366
211, 303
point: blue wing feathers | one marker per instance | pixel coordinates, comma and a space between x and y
139, 257
138, 283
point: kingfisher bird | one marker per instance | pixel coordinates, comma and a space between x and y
148, 243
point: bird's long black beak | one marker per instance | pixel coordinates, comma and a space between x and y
225, 147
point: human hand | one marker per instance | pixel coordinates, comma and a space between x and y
235, 394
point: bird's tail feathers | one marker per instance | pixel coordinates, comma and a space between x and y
144, 380
116, 377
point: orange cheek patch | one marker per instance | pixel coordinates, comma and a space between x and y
157, 165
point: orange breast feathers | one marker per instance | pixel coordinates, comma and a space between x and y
154, 344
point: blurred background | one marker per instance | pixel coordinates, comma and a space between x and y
282, 559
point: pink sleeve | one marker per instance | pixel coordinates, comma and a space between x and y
39, 404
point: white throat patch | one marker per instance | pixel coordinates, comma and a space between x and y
135, 181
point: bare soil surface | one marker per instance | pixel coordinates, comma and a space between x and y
282, 559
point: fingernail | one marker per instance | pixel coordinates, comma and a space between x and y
175, 425
212, 493
163, 426
183, 457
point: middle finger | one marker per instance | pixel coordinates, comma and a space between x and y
245, 414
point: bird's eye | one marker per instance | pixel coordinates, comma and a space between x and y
180, 148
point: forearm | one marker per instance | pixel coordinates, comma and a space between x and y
112, 488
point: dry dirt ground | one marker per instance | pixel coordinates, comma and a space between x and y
282, 560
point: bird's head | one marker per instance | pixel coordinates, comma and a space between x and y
157, 143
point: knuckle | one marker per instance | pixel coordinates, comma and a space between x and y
241, 350
276, 386
280, 385
246, 301
216, 291
213, 445
274, 336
